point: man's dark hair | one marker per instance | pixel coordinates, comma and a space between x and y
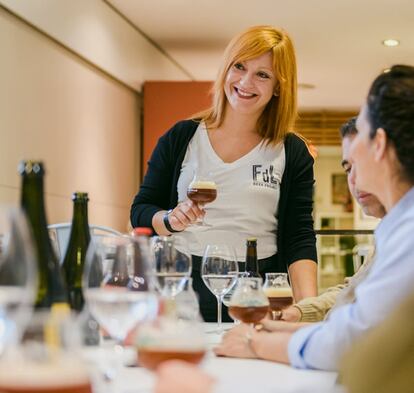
348, 128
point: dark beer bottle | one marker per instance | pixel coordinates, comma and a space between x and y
252, 265
51, 288
74, 259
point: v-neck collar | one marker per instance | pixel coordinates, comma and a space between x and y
215, 157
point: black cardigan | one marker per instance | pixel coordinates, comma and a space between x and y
295, 234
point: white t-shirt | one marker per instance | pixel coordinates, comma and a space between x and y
248, 192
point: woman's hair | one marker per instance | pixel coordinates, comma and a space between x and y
280, 113
390, 105
348, 128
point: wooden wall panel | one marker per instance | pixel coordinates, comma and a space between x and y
165, 103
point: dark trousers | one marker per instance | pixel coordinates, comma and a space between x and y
208, 302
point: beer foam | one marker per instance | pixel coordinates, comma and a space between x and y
62, 373
278, 292
209, 185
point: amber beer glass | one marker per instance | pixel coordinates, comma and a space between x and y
202, 190
170, 338
279, 293
249, 303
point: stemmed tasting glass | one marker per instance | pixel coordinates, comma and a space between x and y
219, 270
249, 304
118, 286
18, 275
171, 263
202, 190
229, 294
279, 293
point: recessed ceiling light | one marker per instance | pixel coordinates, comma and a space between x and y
390, 42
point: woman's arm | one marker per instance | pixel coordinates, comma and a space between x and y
303, 279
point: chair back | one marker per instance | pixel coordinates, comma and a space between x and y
59, 234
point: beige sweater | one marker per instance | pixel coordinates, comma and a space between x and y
314, 309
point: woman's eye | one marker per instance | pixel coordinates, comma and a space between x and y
348, 169
239, 66
263, 75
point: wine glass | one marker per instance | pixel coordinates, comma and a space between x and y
48, 357
18, 274
118, 288
219, 271
172, 265
249, 304
201, 190
279, 293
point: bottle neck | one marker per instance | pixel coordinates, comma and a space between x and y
252, 264
80, 223
32, 201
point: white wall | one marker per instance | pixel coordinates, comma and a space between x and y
81, 123
94, 31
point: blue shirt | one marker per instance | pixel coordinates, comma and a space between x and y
390, 280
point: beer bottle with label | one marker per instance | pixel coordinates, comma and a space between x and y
252, 265
51, 287
74, 259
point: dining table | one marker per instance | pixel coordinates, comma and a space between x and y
241, 375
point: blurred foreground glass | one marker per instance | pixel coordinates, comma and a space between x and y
172, 266
279, 293
170, 338
219, 270
47, 359
117, 284
249, 304
18, 275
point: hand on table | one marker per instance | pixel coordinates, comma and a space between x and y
185, 214
179, 377
236, 343
291, 314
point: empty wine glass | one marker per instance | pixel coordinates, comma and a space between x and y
279, 293
201, 190
249, 304
172, 266
18, 275
219, 271
117, 287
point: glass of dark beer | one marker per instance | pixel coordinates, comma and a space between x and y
249, 304
279, 293
202, 190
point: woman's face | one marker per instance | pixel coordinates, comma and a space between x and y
250, 84
362, 155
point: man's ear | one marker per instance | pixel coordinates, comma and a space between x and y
380, 144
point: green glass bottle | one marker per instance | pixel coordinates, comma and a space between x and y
51, 286
74, 259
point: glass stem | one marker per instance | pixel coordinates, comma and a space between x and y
219, 305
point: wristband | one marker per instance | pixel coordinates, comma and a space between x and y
167, 222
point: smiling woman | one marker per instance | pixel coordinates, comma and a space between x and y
263, 172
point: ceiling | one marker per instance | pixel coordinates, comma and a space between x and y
338, 42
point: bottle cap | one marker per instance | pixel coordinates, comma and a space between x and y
141, 231
30, 166
251, 240
80, 196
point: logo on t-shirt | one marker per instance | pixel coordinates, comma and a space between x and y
265, 177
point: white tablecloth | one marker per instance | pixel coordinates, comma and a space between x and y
259, 374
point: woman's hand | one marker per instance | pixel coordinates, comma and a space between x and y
236, 343
185, 214
179, 377
291, 314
